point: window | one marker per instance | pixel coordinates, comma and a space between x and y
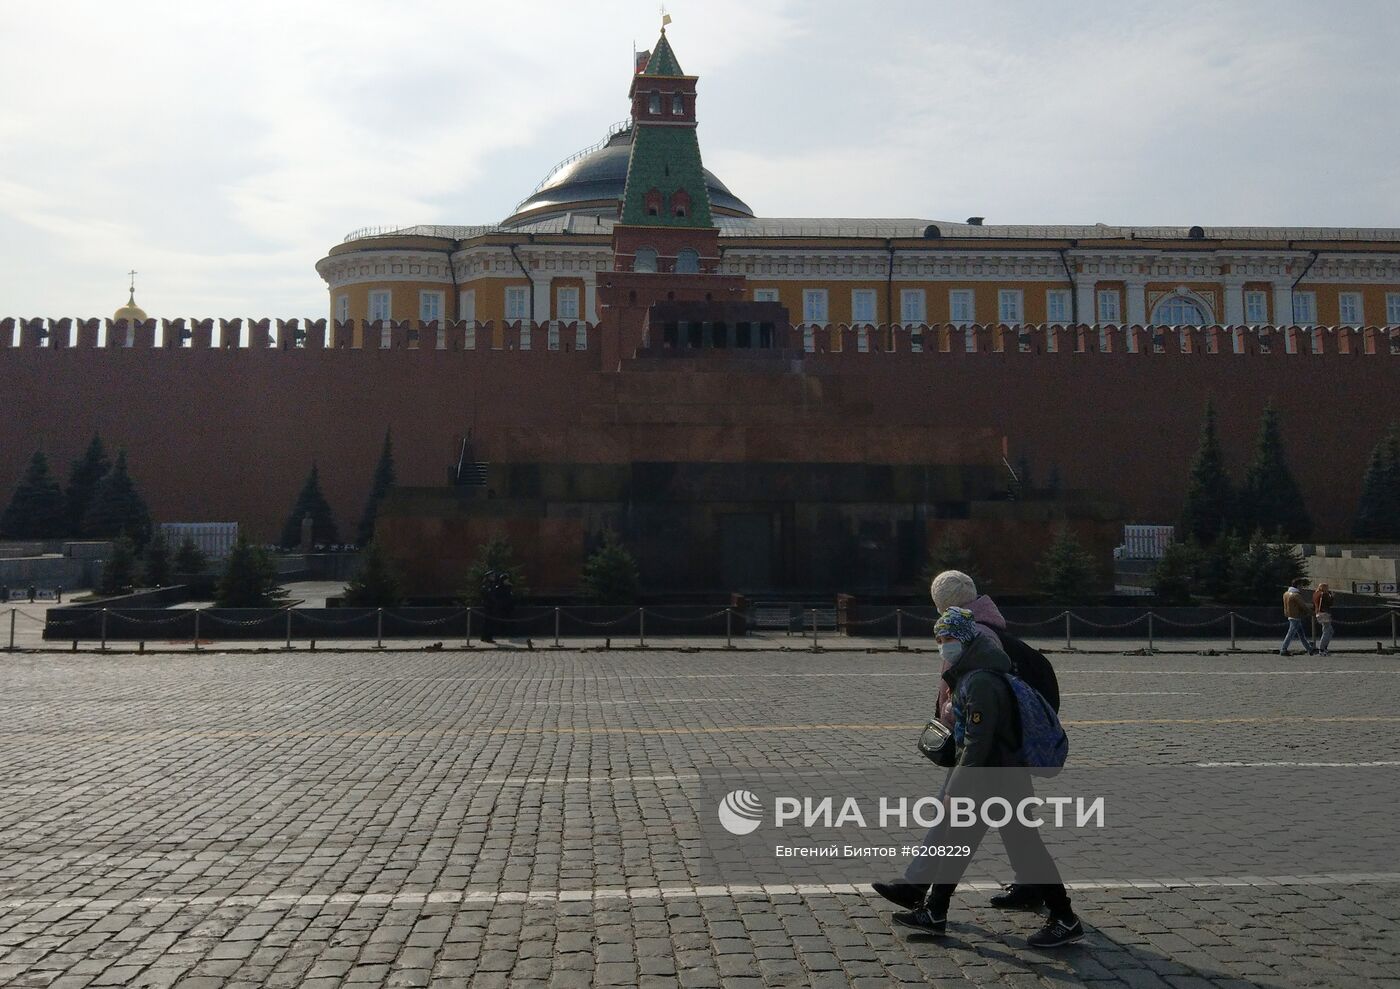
1058, 306
467, 305
687, 260
342, 308
765, 295
913, 308
809, 339
469, 338
581, 337
525, 335
1110, 311
1304, 308
379, 305
960, 309
568, 303
553, 335
429, 306
814, 305
517, 302
1392, 309
645, 259
1009, 305
1177, 310
654, 103
1349, 306
1256, 307
862, 305
677, 105
863, 339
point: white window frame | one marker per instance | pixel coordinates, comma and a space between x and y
342, 308
427, 301
809, 340
469, 338
553, 335
525, 334
517, 302
581, 336
1011, 306
376, 311
1059, 305
1304, 308
1356, 303
815, 308
466, 305
862, 305
568, 303
1108, 306
960, 297
1392, 309
765, 295
913, 305
1256, 307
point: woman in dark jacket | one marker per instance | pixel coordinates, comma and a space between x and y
1322, 608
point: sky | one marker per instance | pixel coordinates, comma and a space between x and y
221, 149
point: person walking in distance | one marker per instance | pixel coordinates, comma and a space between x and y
1322, 608
988, 727
1296, 609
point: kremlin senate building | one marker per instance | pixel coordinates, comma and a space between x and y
755, 404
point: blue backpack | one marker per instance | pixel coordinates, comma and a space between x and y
1044, 744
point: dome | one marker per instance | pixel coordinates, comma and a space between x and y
593, 182
130, 312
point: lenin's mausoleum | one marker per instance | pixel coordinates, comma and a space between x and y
754, 404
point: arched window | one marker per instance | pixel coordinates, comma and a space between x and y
1178, 310
688, 261
680, 203
654, 103
653, 202
677, 105
645, 259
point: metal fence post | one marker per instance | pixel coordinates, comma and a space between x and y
469, 626
898, 628
289, 628
556, 626
196, 629
104, 629
1149, 632
1394, 642
728, 628
814, 630
1232, 630
641, 626
13, 612
379, 630
1068, 644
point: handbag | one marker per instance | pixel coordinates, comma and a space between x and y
937, 744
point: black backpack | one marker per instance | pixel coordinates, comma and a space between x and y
1030, 665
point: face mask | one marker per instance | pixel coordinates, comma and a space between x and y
950, 651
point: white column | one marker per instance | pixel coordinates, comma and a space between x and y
590, 297
1135, 304
542, 298
1283, 304
1234, 302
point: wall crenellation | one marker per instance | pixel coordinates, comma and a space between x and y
827, 340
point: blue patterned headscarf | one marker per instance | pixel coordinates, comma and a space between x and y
956, 623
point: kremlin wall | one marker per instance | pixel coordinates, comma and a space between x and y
633, 312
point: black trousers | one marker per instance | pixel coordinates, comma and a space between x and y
1028, 854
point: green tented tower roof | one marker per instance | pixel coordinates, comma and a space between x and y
663, 60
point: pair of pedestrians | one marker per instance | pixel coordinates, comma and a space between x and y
1298, 610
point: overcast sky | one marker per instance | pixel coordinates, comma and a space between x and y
222, 148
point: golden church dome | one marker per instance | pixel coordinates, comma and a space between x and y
131, 311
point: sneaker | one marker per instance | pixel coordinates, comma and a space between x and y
1056, 933
1019, 896
910, 896
922, 920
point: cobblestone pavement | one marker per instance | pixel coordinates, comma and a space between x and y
528, 819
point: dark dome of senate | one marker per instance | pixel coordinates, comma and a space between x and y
592, 182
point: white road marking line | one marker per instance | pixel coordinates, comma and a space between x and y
649, 893
565, 780
1297, 765
643, 700
1136, 693
1229, 673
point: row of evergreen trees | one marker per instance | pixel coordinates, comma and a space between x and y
99, 502
310, 501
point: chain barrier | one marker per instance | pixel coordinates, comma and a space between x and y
241, 623
690, 621
1383, 617
183, 616
1275, 625
1110, 627
618, 621
1210, 621
304, 616
425, 622
1049, 621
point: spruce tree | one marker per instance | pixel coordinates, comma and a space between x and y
1176, 578
1270, 500
610, 575
951, 553
1209, 498
494, 555
1067, 571
155, 567
383, 481
117, 508
249, 579
83, 478
119, 572
1378, 511
36, 509
310, 502
375, 584
1264, 570
189, 558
